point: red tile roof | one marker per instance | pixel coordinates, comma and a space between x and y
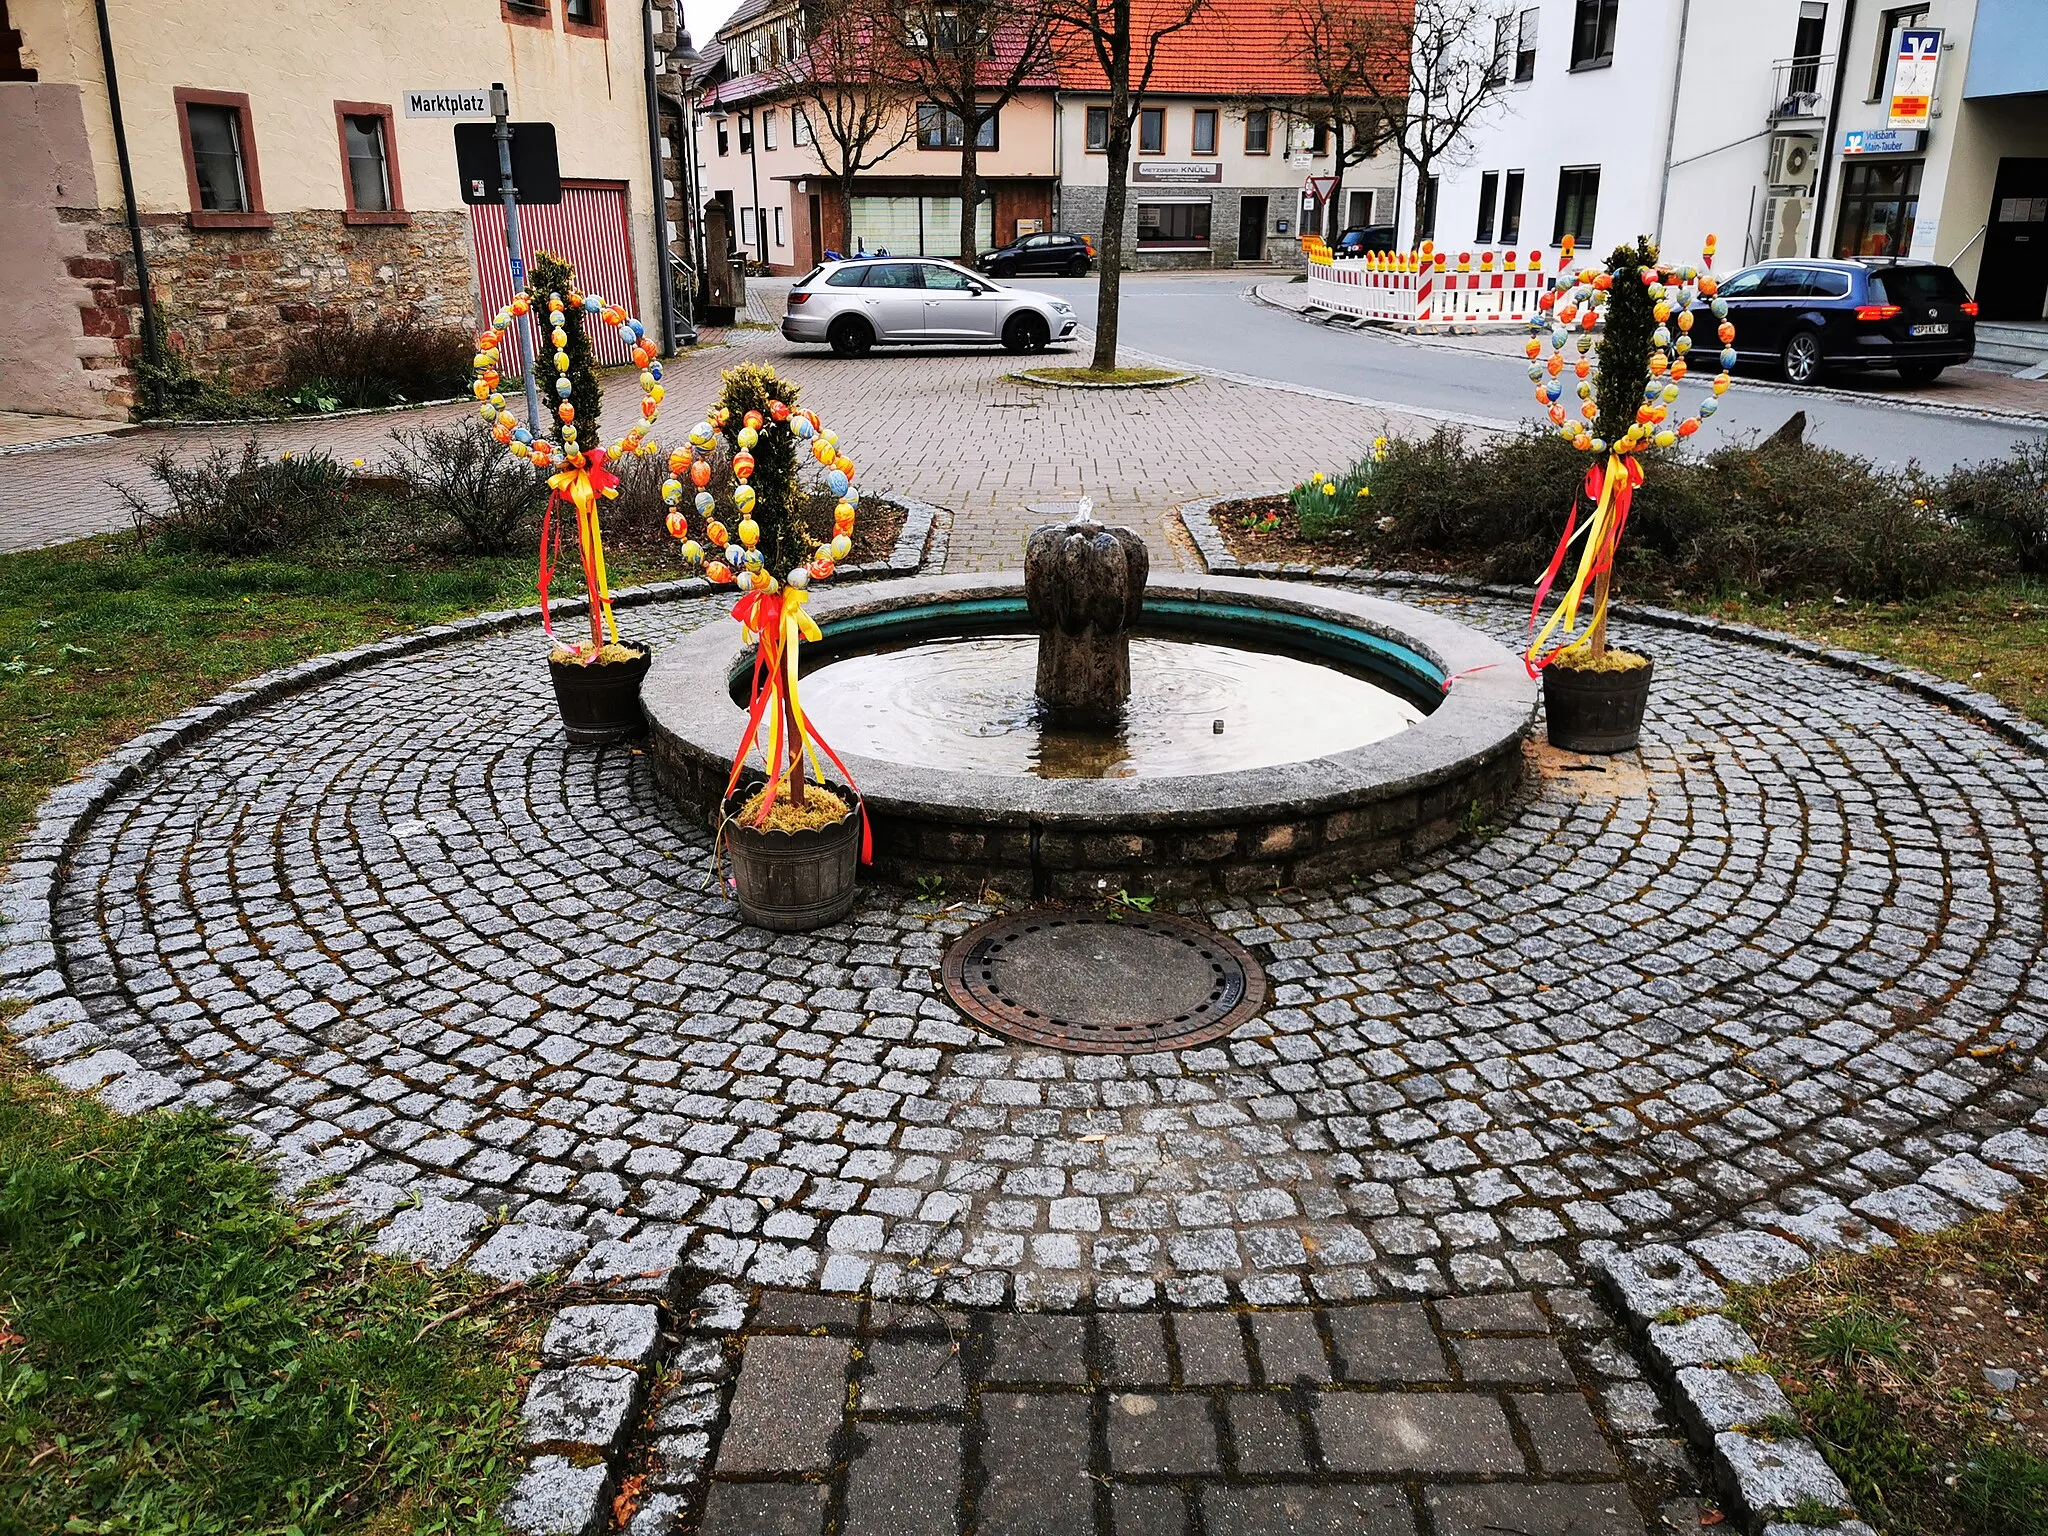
1233, 48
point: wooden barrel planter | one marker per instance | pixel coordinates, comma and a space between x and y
1601, 712
601, 702
792, 882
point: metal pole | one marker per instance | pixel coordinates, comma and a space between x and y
501, 109
152, 342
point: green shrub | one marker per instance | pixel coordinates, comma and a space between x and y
750, 387
552, 275
1323, 506
2005, 502
461, 476
171, 388
394, 360
239, 504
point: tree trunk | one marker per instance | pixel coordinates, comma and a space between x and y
1109, 284
970, 185
1333, 217
846, 213
1421, 201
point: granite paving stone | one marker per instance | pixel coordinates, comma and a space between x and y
1415, 1432
1297, 1510
1599, 1509
905, 1482
764, 1509
1391, 1341
1036, 1459
1161, 1433
1565, 1434
787, 1406
913, 1374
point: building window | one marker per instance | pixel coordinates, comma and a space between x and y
1361, 211
1489, 196
1593, 33
768, 128
1807, 42
369, 169
799, 127
1098, 128
528, 13
1889, 24
746, 122
585, 18
1578, 199
1511, 209
1429, 192
220, 160
724, 139
1173, 224
1152, 131
1525, 44
1205, 131
1258, 131
778, 226
1319, 138
1880, 201
939, 128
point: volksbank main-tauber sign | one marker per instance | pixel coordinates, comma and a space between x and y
1884, 141
1913, 77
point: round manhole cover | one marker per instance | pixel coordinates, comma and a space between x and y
1084, 981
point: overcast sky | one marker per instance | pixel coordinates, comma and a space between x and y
705, 17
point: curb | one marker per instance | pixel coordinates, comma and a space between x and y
1199, 520
75, 440
583, 1405
181, 423
1670, 1298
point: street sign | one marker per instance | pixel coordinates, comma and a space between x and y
1913, 77
446, 103
1319, 187
536, 169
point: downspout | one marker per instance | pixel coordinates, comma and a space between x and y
1671, 127
152, 343
669, 340
1827, 143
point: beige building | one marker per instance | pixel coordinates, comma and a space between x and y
274, 175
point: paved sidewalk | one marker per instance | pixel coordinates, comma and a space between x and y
941, 425
21, 432
1519, 1412
1978, 387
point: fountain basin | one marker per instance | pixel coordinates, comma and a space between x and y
1305, 821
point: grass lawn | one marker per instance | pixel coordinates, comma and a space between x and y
99, 641
179, 1354
1889, 1358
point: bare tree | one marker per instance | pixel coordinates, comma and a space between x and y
1123, 38
968, 58
1438, 71
1334, 42
852, 90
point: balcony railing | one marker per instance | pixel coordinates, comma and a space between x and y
1800, 87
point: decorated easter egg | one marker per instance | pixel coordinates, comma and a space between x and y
1727, 357
671, 491
718, 572
777, 411
704, 502
700, 474
748, 437
743, 464
744, 496
693, 551
678, 525
802, 428
752, 419
799, 578
821, 570
842, 546
701, 435
714, 530
750, 533
836, 479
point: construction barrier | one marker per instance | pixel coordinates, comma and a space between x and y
1427, 287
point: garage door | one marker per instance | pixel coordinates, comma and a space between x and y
918, 226
589, 230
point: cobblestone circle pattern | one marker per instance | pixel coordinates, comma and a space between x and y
418, 946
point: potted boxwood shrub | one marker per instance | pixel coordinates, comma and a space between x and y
1627, 382
796, 842
596, 680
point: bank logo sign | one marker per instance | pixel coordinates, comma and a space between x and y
1913, 77
457, 103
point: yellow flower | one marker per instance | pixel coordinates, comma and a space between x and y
1364, 491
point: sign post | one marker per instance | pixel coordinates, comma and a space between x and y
501, 109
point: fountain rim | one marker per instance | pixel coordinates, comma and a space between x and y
1489, 706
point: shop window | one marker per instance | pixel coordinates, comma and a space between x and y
1880, 201
1173, 224
1578, 201
369, 168
216, 133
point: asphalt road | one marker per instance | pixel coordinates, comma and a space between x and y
1210, 323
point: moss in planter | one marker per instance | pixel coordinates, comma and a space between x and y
1580, 659
821, 809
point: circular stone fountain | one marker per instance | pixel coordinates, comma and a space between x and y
1275, 735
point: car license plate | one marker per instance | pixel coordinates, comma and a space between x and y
1929, 330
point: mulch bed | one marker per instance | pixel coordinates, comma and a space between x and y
1258, 528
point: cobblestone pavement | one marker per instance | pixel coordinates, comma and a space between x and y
398, 930
943, 426
1518, 1412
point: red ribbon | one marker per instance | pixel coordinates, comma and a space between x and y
601, 481
1603, 557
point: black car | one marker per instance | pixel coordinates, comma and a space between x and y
1065, 255
1359, 239
1809, 317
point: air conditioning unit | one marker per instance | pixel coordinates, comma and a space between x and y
1794, 158
1788, 226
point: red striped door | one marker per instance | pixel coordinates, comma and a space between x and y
589, 229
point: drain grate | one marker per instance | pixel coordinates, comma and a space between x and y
1082, 981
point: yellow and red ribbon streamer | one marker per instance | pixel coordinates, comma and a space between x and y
1610, 488
580, 485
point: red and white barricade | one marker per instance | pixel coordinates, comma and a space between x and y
1427, 286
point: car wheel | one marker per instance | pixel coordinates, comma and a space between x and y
850, 336
1801, 358
1078, 267
1921, 373
1026, 333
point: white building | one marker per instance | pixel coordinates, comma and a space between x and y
1669, 118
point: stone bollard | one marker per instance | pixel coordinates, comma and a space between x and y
1085, 584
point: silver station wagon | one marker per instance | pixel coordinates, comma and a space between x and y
896, 301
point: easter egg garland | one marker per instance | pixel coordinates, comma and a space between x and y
577, 476
1628, 387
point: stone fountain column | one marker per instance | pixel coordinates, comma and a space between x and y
1085, 584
